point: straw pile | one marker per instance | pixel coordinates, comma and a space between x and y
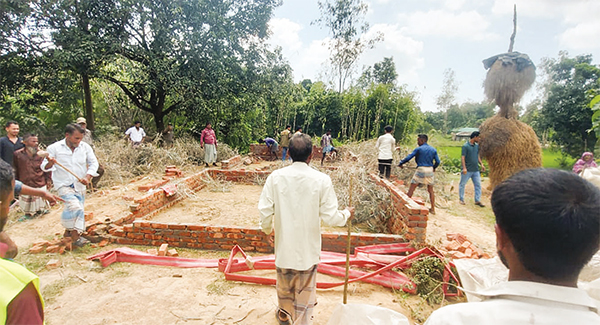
509, 146
505, 83
122, 162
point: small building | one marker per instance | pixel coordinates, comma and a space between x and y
462, 134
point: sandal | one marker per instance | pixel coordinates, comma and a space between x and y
278, 312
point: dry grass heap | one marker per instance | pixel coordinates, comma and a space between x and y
122, 162
509, 146
372, 202
506, 85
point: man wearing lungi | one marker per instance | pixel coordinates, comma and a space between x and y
79, 158
293, 202
427, 161
27, 170
208, 141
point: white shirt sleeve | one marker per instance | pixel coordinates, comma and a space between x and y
50, 150
328, 211
266, 207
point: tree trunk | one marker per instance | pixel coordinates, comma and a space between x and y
87, 96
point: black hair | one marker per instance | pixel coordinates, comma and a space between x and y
6, 185
9, 123
300, 147
28, 135
207, 124
388, 128
137, 122
474, 134
328, 130
72, 127
424, 137
288, 126
298, 128
552, 219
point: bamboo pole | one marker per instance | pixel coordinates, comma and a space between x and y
348, 245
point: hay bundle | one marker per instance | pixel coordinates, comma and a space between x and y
509, 76
509, 146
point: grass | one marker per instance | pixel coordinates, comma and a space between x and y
550, 158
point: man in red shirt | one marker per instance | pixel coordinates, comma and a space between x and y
27, 170
208, 141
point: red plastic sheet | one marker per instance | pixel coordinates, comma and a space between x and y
384, 266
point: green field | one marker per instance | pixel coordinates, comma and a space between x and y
550, 158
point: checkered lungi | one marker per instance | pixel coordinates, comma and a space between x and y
296, 291
73, 217
423, 175
32, 204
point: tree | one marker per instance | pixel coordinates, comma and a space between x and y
566, 107
448, 95
345, 21
383, 72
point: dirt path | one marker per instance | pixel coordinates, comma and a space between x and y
82, 292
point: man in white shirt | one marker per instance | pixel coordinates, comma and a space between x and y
136, 134
386, 144
547, 229
79, 158
294, 201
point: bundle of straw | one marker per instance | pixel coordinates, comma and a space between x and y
509, 146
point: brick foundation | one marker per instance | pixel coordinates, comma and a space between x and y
407, 223
144, 232
408, 217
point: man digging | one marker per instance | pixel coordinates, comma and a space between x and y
77, 157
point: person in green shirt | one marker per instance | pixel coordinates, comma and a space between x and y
470, 168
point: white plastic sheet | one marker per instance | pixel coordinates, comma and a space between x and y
360, 314
592, 175
476, 275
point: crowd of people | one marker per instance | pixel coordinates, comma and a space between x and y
547, 223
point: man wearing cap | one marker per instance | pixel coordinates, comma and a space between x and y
87, 138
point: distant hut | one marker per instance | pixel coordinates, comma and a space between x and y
462, 134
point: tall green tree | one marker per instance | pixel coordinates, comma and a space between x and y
566, 108
383, 72
448, 96
345, 20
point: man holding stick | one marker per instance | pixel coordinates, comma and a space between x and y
294, 201
77, 165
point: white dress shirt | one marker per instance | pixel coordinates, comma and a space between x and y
80, 161
386, 144
296, 198
135, 135
521, 302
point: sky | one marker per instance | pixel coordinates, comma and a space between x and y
426, 37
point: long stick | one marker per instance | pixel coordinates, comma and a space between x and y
70, 172
348, 246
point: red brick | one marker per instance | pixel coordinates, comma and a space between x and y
128, 228
176, 227
152, 251
37, 249
52, 249
215, 235
157, 225
196, 228
172, 252
162, 251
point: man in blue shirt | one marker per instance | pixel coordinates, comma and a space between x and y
470, 169
427, 161
272, 145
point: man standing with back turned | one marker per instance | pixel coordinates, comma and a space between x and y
547, 229
470, 169
294, 201
79, 158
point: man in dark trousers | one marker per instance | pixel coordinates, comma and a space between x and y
470, 161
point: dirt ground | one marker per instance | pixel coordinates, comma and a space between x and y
82, 292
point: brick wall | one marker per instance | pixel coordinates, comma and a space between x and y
144, 232
261, 151
408, 217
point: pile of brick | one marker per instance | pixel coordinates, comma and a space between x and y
58, 245
458, 246
172, 172
163, 250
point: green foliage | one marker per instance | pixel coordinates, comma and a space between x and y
428, 275
566, 109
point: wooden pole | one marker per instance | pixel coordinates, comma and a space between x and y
348, 246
